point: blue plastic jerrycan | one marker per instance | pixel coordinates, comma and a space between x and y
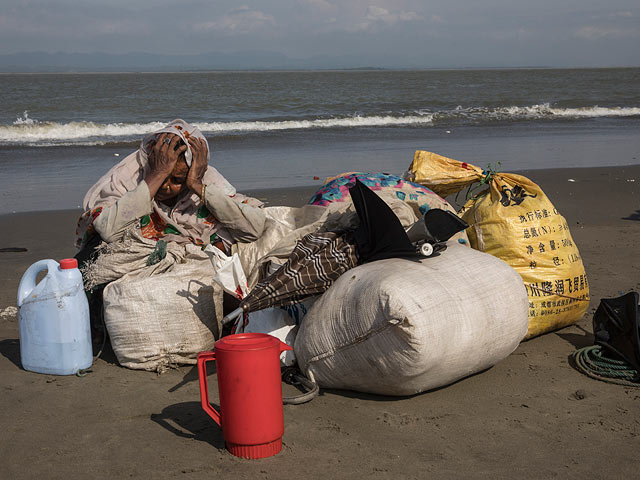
53, 316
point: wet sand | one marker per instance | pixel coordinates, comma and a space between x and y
531, 416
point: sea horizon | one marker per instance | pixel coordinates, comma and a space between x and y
71, 71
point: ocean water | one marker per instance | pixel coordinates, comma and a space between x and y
60, 132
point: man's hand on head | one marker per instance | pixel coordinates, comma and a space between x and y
163, 156
199, 164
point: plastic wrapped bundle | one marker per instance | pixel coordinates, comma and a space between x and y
399, 327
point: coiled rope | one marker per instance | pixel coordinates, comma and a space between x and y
593, 362
293, 376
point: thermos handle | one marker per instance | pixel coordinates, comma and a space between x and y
203, 358
28, 281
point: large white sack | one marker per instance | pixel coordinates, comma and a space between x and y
164, 320
399, 327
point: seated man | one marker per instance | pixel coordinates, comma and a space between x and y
165, 190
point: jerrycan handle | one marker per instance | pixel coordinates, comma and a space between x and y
203, 358
28, 281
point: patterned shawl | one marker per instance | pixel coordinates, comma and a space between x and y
188, 220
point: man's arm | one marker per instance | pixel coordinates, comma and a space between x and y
244, 222
115, 219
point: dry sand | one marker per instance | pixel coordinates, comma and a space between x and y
530, 416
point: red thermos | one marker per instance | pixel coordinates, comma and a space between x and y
249, 383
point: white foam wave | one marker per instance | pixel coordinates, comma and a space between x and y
25, 120
29, 131
597, 112
539, 111
355, 121
35, 132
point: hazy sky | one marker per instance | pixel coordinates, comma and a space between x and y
387, 32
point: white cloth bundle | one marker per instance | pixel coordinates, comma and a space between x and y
399, 327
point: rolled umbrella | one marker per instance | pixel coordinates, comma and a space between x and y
318, 259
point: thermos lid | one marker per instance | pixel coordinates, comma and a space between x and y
247, 342
68, 263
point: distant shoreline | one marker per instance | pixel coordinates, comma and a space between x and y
69, 70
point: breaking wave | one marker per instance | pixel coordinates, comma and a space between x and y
542, 111
28, 131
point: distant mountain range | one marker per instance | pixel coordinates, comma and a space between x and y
150, 62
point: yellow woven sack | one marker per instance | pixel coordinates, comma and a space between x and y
516, 222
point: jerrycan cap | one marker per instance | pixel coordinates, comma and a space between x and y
247, 342
68, 263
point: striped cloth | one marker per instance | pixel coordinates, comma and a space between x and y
317, 260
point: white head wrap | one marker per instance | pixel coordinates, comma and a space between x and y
184, 131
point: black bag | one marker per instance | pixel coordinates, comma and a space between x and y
616, 326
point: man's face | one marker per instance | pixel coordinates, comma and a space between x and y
175, 183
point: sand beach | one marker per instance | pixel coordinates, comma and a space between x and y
530, 416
